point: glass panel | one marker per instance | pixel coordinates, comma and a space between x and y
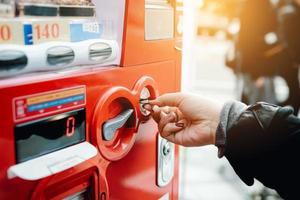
38, 138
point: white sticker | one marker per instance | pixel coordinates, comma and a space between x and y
91, 27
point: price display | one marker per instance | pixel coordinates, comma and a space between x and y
5, 32
45, 31
11, 32
44, 136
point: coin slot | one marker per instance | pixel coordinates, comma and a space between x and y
146, 94
144, 99
145, 89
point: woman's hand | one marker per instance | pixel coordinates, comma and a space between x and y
185, 119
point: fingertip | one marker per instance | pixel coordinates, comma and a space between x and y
171, 128
154, 102
180, 125
168, 99
147, 106
174, 114
156, 108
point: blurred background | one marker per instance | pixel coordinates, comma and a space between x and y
235, 49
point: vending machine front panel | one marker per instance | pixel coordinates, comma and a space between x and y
71, 90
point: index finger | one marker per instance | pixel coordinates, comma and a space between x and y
170, 99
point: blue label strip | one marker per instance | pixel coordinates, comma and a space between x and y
77, 33
28, 38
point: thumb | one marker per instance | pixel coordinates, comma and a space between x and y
170, 99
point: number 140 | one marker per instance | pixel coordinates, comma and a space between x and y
46, 31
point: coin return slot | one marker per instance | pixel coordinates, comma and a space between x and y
111, 126
115, 123
121, 119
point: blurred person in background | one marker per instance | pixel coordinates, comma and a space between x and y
260, 59
289, 29
257, 19
261, 141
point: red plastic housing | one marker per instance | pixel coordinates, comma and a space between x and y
124, 168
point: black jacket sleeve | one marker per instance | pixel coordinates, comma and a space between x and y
264, 143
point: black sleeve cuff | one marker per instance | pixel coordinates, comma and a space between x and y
229, 114
250, 138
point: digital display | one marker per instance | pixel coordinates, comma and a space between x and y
50, 134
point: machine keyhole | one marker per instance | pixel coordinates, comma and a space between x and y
166, 149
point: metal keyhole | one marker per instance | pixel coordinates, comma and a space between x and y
165, 161
166, 149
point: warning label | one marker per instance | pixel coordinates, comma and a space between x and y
35, 105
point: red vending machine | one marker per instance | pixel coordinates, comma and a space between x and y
73, 75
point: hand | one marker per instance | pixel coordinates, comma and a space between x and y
185, 119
